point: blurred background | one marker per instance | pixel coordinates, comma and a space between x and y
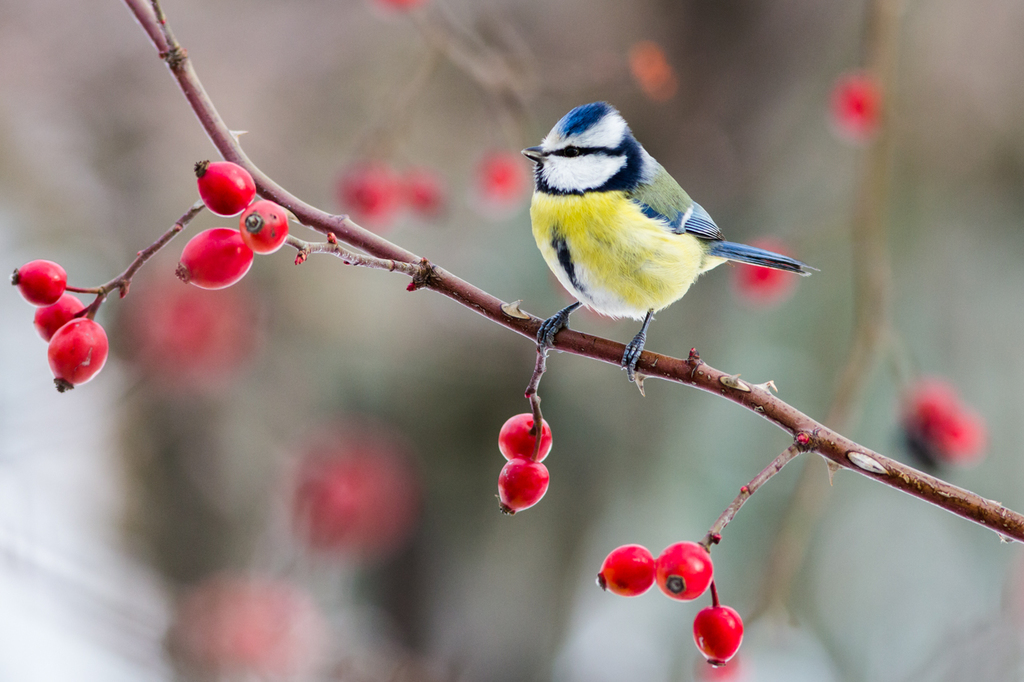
295, 477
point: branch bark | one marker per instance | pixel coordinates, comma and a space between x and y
692, 371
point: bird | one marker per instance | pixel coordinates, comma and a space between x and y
617, 230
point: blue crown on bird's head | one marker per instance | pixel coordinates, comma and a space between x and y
584, 117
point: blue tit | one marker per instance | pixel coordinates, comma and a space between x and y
617, 230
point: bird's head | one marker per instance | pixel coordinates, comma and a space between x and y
590, 149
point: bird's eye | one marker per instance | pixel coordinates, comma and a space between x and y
571, 151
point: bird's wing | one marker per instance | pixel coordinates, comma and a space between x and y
663, 199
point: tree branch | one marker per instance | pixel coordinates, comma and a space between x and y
693, 372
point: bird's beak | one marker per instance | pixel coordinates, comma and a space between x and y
535, 154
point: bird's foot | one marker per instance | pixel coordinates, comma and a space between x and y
553, 325
632, 355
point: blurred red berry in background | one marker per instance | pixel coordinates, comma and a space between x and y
241, 625
372, 193
939, 428
189, 339
501, 183
356, 493
652, 71
764, 287
398, 5
856, 107
425, 192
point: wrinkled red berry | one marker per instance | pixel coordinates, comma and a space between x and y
372, 193
214, 259
521, 485
515, 439
764, 287
77, 351
424, 192
939, 427
684, 570
718, 632
50, 318
226, 188
628, 571
857, 106
264, 226
502, 182
41, 282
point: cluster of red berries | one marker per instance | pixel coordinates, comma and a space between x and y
219, 257
78, 345
523, 480
683, 571
939, 428
375, 193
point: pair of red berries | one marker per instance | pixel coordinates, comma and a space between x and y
220, 257
78, 345
523, 480
683, 571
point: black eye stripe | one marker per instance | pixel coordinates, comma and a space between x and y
572, 151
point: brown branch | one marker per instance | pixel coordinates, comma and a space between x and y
832, 445
124, 280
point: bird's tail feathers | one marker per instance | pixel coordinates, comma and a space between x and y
755, 256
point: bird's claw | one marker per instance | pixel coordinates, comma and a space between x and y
632, 355
553, 325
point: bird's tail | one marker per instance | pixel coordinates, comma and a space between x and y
755, 256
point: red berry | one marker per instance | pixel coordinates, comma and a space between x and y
521, 485
372, 193
684, 570
214, 259
356, 494
424, 192
502, 182
242, 627
857, 106
939, 427
188, 339
718, 632
628, 571
52, 317
399, 5
41, 282
77, 352
226, 188
763, 287
264, 226
515, 439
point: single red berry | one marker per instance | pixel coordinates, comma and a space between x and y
515, 439
52, 317
77, 352
502, 183
399, 5
521, 485
628, 571
424, 192
939, 427
372, 193
226, 188
214, 259
684, 570
41, 282
264, 226
356, 494
718, 632
764, 287
857, 106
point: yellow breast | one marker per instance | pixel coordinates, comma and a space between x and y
611, 256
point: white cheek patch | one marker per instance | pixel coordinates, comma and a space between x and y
580, 173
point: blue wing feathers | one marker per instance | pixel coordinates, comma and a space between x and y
700, 224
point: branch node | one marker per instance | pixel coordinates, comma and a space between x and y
175, 57
424, 276
804, 440
331, 239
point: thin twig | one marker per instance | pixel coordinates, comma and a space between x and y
124, 280
715, 532
827, 442
534, 397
